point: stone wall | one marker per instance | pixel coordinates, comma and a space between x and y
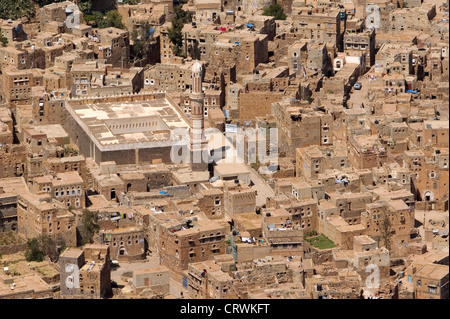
12, 249
12, 160
254, 104
319, 256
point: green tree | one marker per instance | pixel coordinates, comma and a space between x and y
175, 32
34, 251
44, 245
89, 227
142, 39
85, 6
111, 19
275, 10
16, 9
52, 247
95, 17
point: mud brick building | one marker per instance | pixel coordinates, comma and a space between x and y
66, 188
283, 234
189, 241
319, 25
38, 215
240, 48
303, 212
366, 151
431, 282
86, 272
211, 202
198, 40
401, 221
113, 45
166, 45
207, 280
362, 41
13, 30
140, 137
238, 199
9, 192
301, 127
125, 243
17, 84
156, 278
58, 12
173, 75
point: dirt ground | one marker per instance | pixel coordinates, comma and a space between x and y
18, 266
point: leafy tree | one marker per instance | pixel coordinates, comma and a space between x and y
89, 227
16, 9
95, 17
34, 251
111, 19
175, 35
85, 6
275, 10
142, 39
38, 248
52, 247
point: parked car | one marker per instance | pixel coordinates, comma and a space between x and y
357, 86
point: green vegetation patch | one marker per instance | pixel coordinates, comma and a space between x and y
321, 242
16, 9
275, 10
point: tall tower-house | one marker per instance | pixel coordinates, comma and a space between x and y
197, 97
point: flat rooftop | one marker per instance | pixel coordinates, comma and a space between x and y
434, 271
15, 185
129, 122
23, 284
156, 269
72, 252
227, 169
442, 124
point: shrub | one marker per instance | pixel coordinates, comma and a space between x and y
275, 10
34, 251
